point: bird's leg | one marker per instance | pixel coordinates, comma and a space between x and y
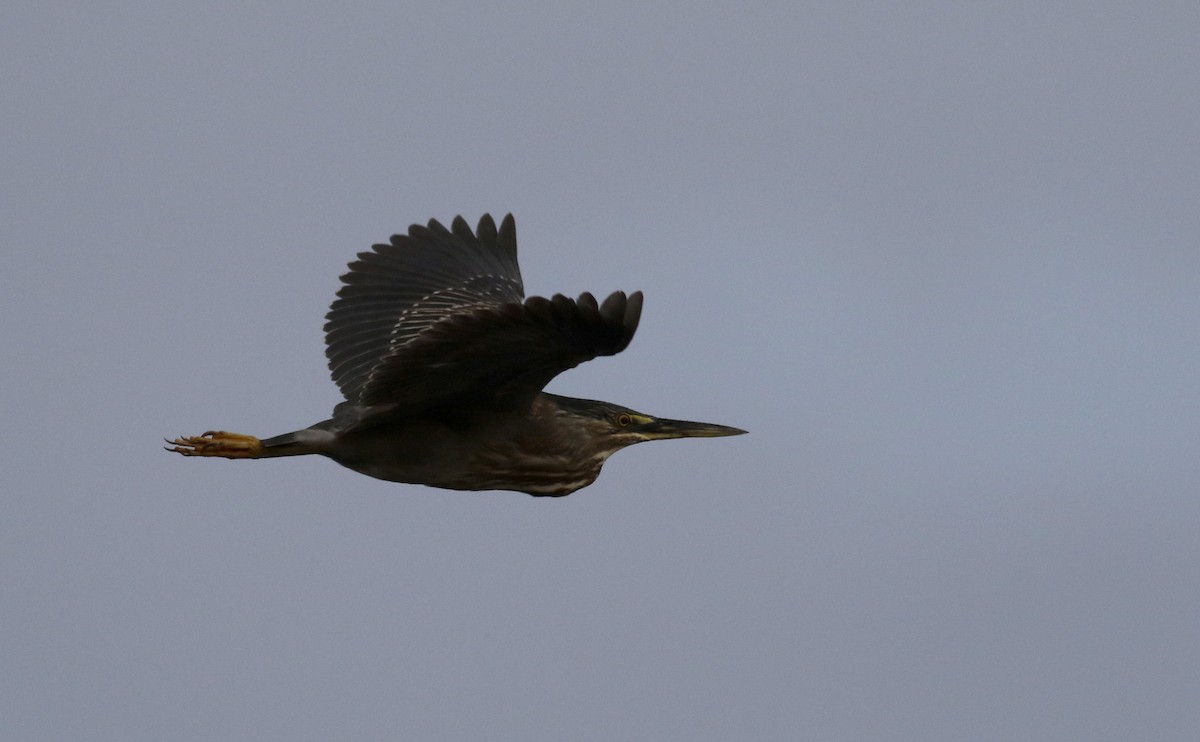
219, 443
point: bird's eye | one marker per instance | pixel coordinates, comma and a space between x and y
624, 420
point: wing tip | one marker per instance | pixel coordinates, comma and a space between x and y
633, 312
485, 232
506, 239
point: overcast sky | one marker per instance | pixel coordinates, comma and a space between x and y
941, 259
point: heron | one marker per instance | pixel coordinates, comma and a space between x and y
443, 362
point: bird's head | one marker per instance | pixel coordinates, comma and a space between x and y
609, 428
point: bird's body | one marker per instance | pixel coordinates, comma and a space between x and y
471, 450
442, 362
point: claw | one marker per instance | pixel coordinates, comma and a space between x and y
218, 443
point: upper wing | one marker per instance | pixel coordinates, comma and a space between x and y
501, 354
399, 290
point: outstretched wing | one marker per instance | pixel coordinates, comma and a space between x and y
502, 354
395, 292
437, 319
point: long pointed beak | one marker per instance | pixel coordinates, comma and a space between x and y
657, 429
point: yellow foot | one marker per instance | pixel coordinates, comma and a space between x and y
218, 443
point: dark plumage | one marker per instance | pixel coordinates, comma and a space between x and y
442, 361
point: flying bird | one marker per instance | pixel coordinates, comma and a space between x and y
442, 361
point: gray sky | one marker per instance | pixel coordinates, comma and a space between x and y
941, 259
